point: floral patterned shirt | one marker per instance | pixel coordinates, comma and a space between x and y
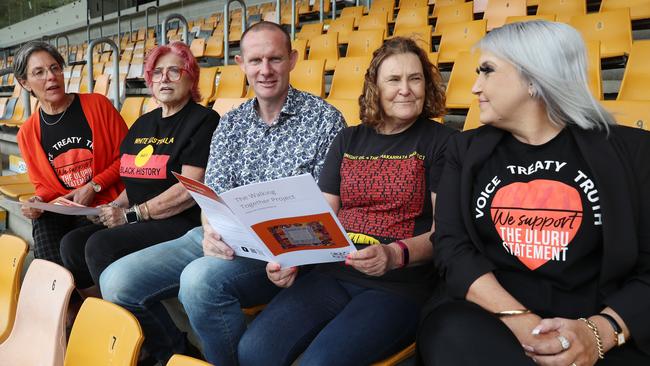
245, 150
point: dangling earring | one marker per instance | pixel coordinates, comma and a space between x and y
530, 90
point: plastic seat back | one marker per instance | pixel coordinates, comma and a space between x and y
639, 9
38, 335
612, 28
386, 7
459, 37
349, 109
131, 109
421, 36
461, 80
441, 4
630, 113
636, 79
180, 360
308, 76
373, 22
563, 10
101, 85
325, 47
149, 105
12, 256
364, 42
454, 14
104, 334
232, 82
214, 46
528, 18
473, 119
593, 69
198, 47
354, 12
300, 45
498, 10
412, 18
309, 31
342, 26
404, 4
225, 105
347, 82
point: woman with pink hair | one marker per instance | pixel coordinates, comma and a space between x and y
154, 207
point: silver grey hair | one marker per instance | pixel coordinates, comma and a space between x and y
551, 57
21, 59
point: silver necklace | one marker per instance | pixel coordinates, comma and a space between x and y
53, 123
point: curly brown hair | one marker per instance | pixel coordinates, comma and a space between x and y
371, 112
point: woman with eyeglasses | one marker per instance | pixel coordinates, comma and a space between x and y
153, 207
70, 145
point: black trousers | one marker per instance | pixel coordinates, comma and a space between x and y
47, 231
463, 333
87, 251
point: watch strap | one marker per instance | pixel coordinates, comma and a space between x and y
618, 331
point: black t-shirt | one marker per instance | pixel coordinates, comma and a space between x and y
385, 184
536, 209
156, 146
68, 144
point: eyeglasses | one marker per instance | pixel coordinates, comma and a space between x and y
173, 74
41, 73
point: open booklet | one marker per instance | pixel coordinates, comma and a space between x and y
62, 206
285, 220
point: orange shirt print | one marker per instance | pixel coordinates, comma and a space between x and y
74, 167
537, 221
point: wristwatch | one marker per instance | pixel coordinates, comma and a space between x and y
96, 187
131, 216
618, 331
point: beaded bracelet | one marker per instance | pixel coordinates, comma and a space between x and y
599, 342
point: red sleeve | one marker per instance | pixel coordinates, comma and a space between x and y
35, 162
114, 130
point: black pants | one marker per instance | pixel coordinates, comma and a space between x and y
87, 251
463, 333
47, 231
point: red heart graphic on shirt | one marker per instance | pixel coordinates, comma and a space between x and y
537, 220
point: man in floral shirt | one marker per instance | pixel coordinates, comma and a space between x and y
280, 133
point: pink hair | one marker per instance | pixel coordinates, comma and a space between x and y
190, 66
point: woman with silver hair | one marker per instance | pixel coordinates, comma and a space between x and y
71, 145
542, 219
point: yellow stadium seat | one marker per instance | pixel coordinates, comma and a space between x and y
16, 190
412, 3
441, 4
593, 69
612, 28
131, 109
433, 58
342, 26
633, 113
354, 12
308, 76
300, 45
198, 47
232, 82
104, 334
309, 31
21, 178
461, 80
412, 18
12, 257
38, 334
473, 119
460, 37
224, 105
206, 84
639, 9
180, 360
347, 82
528, 18
397, 357
214, 46
454, 14
563, 10
373, 22
364, 42
101, 85
498, 10
421, 36
349, 109
326, 6
383, 6
636, 79
325, 47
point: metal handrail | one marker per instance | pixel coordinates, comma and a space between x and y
333, 9
321, 10
116, 68
67, 41
278, 10
293, 19
186, 33
226, 26
146, 15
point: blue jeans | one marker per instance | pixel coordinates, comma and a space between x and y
330, 321
212, 291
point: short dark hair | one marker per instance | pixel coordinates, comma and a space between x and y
371, 112
265, 25
21, 59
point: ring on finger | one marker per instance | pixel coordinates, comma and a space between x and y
573, 364
564, 342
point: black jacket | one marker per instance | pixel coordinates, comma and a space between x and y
620, 165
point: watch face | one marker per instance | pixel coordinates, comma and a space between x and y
131, 217
621, 339
96, 187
